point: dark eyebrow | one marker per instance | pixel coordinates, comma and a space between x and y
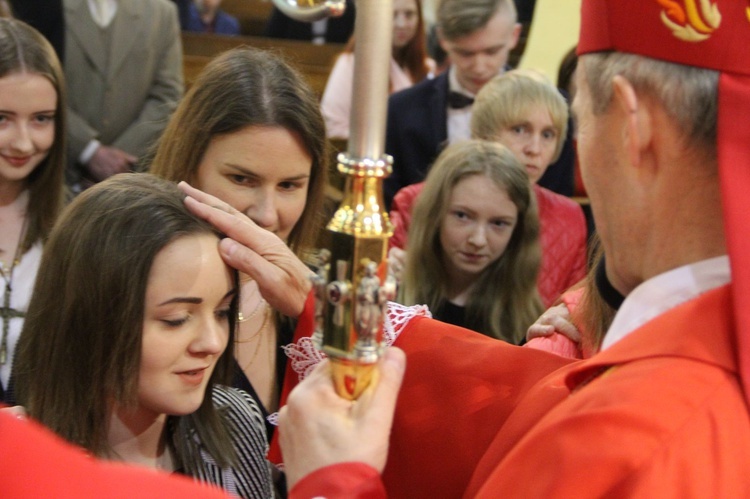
180, 299
50, 111
195, 300
242, 170
251, 173
463, 208
493, 48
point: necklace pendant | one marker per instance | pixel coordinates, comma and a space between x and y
3, 354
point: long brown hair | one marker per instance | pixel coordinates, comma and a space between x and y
25, 50
504, 301
412, 56
593, 315
80, 348
247, 87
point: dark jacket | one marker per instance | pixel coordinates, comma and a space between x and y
224, 24
416, 132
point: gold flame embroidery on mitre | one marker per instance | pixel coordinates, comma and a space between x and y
691, 20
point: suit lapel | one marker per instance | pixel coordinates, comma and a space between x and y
85, 32
126, 27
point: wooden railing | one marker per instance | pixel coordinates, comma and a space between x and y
313, 61
192, 65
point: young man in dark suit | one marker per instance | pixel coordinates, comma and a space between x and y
478, 35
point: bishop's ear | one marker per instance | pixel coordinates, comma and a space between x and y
636, 118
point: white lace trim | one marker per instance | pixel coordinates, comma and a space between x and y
304, 356
398, 316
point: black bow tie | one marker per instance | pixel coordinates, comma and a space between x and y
458, 100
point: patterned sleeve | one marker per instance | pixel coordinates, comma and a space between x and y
251, 478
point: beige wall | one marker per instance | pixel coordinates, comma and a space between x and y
553, 32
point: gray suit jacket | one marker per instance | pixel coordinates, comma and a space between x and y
122, 98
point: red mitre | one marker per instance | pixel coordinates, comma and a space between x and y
713, 34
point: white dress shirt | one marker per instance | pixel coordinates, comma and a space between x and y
103, 11
664, 292
459, 120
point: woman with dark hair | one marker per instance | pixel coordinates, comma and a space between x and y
125, 340
250, 132
410, 64
32, 166
446, 362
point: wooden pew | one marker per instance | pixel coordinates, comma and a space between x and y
252, 14
192, 65
313, 61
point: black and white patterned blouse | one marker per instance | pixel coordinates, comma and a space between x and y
251, 477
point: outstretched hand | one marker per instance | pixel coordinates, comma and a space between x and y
317, 428
18, 411
555, 319
283, 280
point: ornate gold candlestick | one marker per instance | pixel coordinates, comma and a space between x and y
353, 296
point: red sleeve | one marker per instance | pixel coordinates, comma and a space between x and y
563, 239
305, 328
400, 228
401, 208
340, 481
37, 463
458, 390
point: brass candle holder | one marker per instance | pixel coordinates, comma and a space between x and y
352, 295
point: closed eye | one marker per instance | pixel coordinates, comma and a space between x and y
174, 323
223, 314
224, 308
